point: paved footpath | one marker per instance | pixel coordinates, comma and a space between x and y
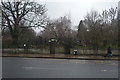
62, 56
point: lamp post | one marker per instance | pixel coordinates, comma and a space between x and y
24, 45
52, 45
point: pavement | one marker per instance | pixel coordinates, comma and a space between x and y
61, 56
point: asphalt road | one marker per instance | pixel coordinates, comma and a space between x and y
58, 68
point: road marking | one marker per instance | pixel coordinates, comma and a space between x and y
104, 70
31, 68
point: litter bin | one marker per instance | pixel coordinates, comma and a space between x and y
75, 52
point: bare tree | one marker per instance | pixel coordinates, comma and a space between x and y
109, 26
21, 14
93, 23
60, 29
113, 25
102, 28
64, 33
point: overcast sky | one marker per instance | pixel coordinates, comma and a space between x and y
77, 9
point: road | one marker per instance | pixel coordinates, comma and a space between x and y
58, 68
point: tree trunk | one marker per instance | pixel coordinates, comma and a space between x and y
67, 49
15, 41
95, 48
15, 35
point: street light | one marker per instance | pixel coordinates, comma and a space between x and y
52, 45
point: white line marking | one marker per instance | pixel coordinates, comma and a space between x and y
31, 68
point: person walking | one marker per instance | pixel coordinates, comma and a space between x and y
109, 52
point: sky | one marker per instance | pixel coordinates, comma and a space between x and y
76, 9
